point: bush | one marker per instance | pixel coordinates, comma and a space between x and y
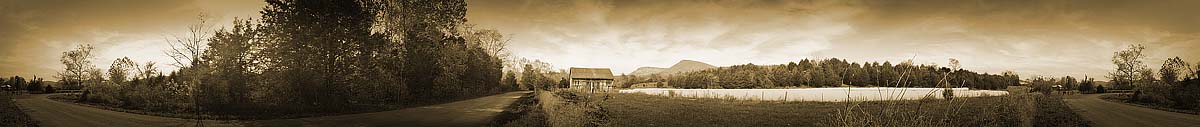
1153, 93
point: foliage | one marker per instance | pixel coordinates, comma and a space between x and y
1174, 88
834, 72
1043, 85
312, 58
1088, 85
525, 112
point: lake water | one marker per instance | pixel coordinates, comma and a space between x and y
818, 94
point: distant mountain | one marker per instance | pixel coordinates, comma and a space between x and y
681, 67
647, 71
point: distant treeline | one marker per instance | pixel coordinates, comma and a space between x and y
306, 56
34, 84
834, 72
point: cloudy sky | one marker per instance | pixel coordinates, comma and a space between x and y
34, 33
1051, 38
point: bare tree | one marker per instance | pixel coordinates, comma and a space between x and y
1129, 65
77, 62
186, 49
491, 40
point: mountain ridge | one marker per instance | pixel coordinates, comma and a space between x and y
679, 67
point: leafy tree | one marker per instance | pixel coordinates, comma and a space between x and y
1171, 70
509, 82
35, 83
119, 71
313, 48
17, 82
49, 89
1070, 82
563, 83
1088, 85
229, 57
422, 26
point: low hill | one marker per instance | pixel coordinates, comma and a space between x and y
680, 67
647, 71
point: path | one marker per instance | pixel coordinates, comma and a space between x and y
53, 113
467, 113
1113, 114
473, 112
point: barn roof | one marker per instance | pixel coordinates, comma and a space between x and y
591, 73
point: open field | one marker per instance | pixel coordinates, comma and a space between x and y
625, 109
11, 115
819, 94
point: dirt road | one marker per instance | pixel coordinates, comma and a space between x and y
473, 112
467, 113
60, 114
1112, 114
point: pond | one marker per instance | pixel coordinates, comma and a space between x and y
818, 94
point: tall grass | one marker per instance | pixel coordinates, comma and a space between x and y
525, 112
567, 108
11, 115
1008, 110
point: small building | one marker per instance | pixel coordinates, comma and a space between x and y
591, 79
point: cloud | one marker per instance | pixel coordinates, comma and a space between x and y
36, 32
625, 35
1054, 38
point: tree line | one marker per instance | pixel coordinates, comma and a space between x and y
34, 84
1176, 85
310, 56
1046, 85
834, 72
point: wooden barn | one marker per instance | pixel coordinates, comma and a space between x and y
591, 79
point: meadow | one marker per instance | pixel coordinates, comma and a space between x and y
819, 94
566, 108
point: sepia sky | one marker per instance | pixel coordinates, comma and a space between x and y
34, 33
1051, 37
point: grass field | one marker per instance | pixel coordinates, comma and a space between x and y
1125, 98
649, 110
11, 115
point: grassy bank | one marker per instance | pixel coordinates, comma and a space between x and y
525, 112
575, 109
11, 115
1125, 98
187, 113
